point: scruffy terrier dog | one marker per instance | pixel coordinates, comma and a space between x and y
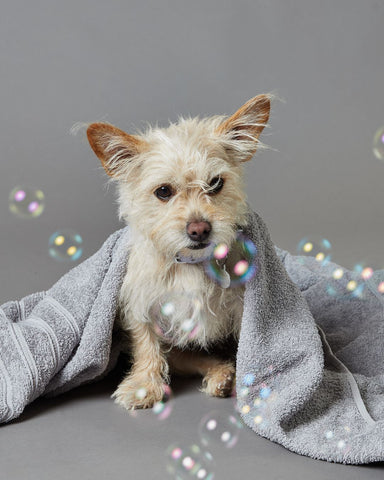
181, 191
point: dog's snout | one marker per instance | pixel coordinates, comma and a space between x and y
198, 231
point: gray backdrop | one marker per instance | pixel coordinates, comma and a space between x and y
133, 61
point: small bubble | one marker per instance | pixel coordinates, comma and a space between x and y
65, 245
163, 408
189, 461
26, 202
314, 246
217, 429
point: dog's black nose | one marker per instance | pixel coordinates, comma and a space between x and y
198, 231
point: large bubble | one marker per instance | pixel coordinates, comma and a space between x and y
237, 269
178, 316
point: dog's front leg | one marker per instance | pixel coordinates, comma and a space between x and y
144, 384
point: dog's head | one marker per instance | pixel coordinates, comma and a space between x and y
181, 186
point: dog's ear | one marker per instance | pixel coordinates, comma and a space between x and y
114, 147
240, 132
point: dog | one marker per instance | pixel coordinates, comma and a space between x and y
181, 191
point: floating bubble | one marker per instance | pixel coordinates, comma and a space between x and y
26, 202
238, 269
257, 408
265, 392
187, 462
218, 429
339, 438
163, 408
344, 290
314, 246
248, 379
65, 245
178, 317
378, 144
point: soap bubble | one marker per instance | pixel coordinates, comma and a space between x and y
163, 408
378, 144
339, 438
218, 429
315, 246
248, 379
177, 316
26, 202
65, 245
189, 462
255, 401
345, 287
242, 266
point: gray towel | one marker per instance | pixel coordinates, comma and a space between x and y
309, 362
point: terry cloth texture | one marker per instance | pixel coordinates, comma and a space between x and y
309, 362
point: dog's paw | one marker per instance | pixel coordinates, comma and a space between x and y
219, 380
139, 392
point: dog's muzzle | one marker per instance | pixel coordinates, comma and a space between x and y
204, 254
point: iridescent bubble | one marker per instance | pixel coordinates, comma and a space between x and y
314, 246
346, 289
177, 316
233, 270
163, 408
188, 462
248, 379
65, 245
378, 144
26, 202
265, 392
338, 438
218, 429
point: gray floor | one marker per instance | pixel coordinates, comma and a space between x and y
84, 435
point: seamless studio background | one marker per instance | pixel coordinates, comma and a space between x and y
131, 62
134, 62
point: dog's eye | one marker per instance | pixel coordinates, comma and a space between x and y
215, 185
164, 192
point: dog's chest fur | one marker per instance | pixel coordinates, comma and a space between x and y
184, 305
